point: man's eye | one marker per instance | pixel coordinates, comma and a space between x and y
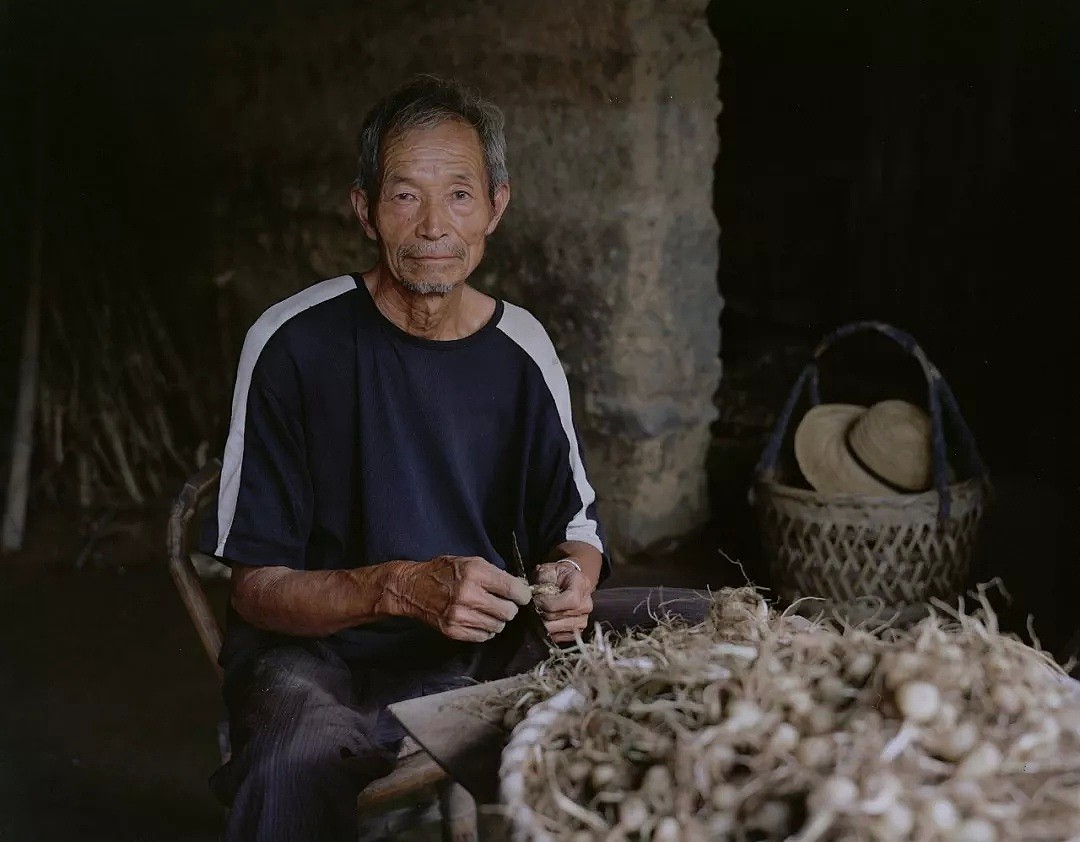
461, 195
404, 197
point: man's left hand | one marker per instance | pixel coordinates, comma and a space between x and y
567, 612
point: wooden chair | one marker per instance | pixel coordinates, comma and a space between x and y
415, 768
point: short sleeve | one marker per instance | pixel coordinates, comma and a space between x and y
557, 509
561, 500
265, 499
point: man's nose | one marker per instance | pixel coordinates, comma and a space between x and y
431, 223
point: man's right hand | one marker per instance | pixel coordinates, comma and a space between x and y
464, 597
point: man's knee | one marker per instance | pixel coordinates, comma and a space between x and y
297, 728
321, 751
303, 759
279, 687
295, 785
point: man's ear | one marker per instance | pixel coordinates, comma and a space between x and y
502, 199
364, 212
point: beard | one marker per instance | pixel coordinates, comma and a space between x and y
427, 287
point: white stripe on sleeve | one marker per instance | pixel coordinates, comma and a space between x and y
526, 332
256, 339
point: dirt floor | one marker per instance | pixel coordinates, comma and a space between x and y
107, 731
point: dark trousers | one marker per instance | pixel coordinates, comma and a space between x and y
310, 730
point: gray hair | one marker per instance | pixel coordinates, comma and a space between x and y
423, 103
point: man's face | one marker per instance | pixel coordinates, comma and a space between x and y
433, 211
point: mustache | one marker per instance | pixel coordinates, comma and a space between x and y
415, 251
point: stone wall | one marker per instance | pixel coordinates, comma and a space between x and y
610, 238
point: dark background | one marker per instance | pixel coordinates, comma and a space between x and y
913, 162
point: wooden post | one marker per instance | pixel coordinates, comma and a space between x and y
458, 813
22, 448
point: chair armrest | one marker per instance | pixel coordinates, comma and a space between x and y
411, 773
196, 490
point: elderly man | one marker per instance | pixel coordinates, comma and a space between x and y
393, 434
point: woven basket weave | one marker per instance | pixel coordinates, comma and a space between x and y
868, 555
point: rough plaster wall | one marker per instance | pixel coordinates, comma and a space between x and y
610, 238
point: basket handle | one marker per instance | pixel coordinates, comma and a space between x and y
939, 395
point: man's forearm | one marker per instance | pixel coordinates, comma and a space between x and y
316, 603
586, 555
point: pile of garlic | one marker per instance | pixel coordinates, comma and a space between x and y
760, 725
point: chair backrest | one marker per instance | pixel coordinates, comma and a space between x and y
196, 492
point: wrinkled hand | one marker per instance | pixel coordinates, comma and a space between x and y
464, 597
567, 612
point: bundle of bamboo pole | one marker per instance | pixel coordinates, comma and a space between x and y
122, 415
118, 392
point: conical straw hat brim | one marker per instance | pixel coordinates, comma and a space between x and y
822, 453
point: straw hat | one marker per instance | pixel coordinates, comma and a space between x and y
880, 451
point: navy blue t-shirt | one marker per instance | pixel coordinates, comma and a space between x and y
354, 443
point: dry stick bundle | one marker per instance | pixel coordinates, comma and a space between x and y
13, 522
14, 517
129, 407
132, 420
760, 725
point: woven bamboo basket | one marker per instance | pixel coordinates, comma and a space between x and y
523, 757
864, 556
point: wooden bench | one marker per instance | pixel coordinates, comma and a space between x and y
415, 769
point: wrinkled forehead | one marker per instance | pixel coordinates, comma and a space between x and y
449, 147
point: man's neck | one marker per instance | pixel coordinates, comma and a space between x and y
455, 315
